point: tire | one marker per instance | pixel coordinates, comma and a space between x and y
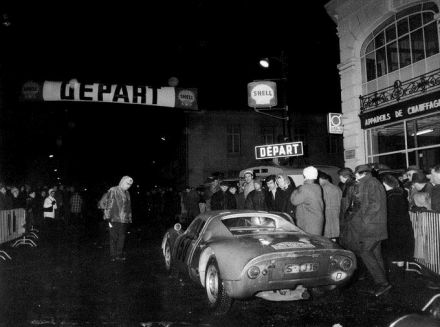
167, 256
219, 302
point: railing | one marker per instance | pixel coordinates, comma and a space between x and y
426, 227
12, 224
400, 90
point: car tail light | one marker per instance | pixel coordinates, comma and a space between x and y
346, 264
253, 272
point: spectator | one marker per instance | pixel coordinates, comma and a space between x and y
76, 205
222, 199
233, 190
275, 197
332, 203
190, 199
421, 202
367, 226
248, 185
17, 200
256, 198
435, 190
347, 181
31, 210
287, 186
117, 212
309, 205
420, 183
399, 247
5, 200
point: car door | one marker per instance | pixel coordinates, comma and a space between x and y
186, 243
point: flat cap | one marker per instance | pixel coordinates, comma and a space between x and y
362, 169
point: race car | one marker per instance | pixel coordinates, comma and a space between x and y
239, 254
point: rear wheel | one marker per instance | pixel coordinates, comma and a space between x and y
218, 300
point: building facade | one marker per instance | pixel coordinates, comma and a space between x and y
390, 81
223, 141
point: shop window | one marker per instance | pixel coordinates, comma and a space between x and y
394, 160
423, 132
386, 139
417, 37
233, 138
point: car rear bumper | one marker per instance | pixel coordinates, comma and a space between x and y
247, 288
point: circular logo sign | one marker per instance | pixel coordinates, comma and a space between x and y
186, 97
30, 90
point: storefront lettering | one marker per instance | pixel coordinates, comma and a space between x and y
378, 119
423, 107
403, 110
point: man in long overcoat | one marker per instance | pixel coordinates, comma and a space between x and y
307, 198
367, 226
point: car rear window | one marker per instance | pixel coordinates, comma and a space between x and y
251, 224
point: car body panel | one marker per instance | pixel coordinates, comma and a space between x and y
281, 251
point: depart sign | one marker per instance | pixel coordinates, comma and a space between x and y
185, 98
290, 149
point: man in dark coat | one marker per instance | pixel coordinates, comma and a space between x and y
222, 199
367, 225
256, 198
275, 197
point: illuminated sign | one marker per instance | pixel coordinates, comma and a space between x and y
334, 123
113, 93
290, 149
262, 94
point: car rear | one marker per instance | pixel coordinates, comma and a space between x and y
276, 276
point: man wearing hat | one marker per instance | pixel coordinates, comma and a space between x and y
307, 198
222, 199
367, 225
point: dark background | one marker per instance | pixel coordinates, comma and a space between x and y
209, 45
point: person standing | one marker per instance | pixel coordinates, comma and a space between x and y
332, 204
286, 187
275, 198
399, 247
76, 206
307, 198
117, 212
222, 199
248, 185
256, 198
367, 225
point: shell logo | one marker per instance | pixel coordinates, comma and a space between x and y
186, 97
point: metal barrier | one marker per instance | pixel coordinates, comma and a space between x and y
12, 224
426, 227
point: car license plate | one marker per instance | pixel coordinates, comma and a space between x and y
300, 268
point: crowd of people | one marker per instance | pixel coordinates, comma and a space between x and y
44, 204
365, 212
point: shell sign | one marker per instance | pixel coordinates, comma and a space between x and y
262, 94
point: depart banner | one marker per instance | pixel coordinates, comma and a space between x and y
174, 97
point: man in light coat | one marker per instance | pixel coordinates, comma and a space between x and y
332, 203
307, 198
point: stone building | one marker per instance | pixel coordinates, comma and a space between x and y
223, 141
390, 81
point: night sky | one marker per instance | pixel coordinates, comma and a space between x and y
209, 45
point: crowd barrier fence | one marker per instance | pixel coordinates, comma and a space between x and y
426, 227
12, 224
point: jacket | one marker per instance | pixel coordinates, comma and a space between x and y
309, 212
118, 206
332, 203
369, 219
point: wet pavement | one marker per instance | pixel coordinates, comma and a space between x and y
72, 282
